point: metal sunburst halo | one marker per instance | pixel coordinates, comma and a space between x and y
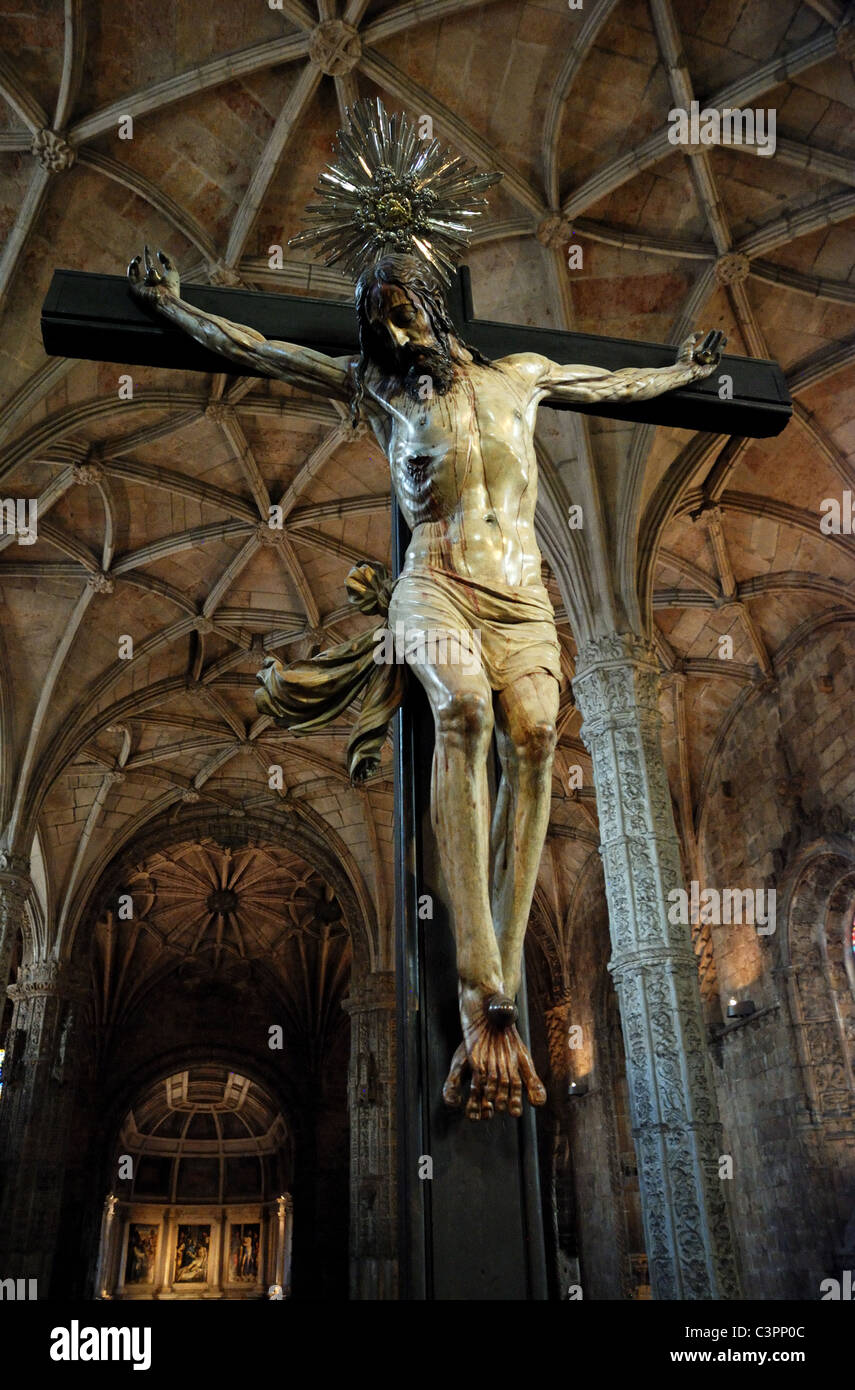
389, 191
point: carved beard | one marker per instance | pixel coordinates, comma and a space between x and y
416, 363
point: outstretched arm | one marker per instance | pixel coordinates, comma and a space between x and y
695, 360
160, 290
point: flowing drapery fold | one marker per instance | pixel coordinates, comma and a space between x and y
307, 695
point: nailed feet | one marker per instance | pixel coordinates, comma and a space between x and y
496, 1057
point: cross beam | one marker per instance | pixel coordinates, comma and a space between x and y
94, 317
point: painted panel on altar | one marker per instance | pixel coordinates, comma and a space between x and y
244, 1250
142, 1254
191, 1255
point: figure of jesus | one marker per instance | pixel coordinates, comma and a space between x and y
458, 431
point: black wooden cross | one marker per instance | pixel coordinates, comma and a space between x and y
475, 1230
94, 317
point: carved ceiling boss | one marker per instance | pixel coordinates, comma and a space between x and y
458, 432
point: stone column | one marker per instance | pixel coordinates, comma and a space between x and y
285, 1213
105, 1250
164, 1255
672, 1099
36, 1113
15, 886
371, 1105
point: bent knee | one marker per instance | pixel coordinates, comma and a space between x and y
535, 745
466, 714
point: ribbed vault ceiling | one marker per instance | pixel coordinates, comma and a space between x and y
227, 921
150, 510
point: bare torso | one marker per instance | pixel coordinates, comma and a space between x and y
465, 474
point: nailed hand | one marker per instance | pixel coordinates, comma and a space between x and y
156, 282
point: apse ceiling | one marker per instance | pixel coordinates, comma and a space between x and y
150, 509
206, 1132
224, 921
237, 1109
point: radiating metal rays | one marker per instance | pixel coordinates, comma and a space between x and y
392, 191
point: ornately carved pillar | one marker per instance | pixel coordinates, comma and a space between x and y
672, 1100
373, 1176
556, 1178
557, 1034
14, 888
35, 1114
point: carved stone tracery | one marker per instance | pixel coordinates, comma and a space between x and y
15, 887
335, 47
101, 583
732, 268
554, 231
85, 474
52, 151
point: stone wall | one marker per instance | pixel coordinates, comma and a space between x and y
778, 1191
780, 813
789, 758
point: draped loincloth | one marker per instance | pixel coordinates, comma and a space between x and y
514, 626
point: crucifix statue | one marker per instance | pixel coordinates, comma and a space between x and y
478, 627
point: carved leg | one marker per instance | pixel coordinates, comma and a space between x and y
526, 739
460, 803
500, 1065
462, 705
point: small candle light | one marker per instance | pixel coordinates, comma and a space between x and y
740, 1008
